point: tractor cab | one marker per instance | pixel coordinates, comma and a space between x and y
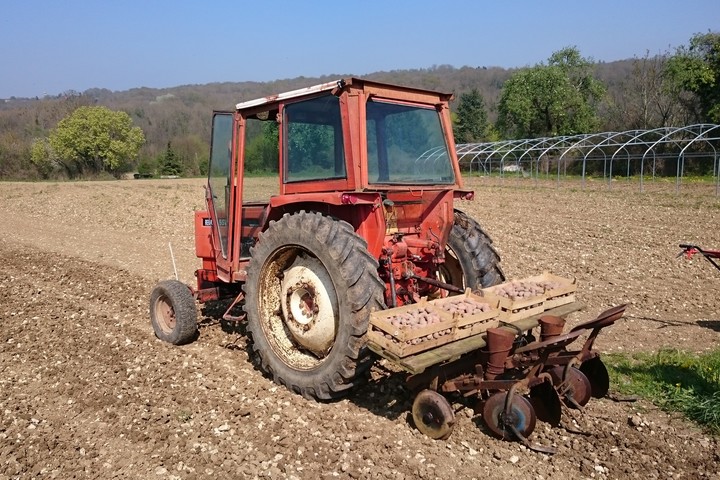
352, 148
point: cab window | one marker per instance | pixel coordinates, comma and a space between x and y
313, 140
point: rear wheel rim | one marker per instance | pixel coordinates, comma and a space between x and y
297, 307
451, 270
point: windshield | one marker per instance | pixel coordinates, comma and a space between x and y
405, 145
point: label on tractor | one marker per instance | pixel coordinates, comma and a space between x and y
207, 222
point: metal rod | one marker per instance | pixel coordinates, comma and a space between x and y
172, 256
439, 284
709, 255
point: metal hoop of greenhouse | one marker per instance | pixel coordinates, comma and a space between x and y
665, 153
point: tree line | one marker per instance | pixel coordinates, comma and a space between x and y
166, 131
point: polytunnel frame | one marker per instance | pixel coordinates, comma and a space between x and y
582, 146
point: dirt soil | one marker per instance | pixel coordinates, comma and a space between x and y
87, 391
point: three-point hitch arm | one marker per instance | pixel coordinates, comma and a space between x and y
691, 250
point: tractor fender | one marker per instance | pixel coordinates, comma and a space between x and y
326, 198
362, 210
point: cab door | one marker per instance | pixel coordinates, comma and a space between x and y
220, 191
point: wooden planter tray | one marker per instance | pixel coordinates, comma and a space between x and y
418, 362
402, 341
475, 323
403, 349
512, 310
562, 294
559, 300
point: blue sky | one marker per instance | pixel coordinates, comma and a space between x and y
51, 46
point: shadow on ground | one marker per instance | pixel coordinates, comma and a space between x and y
711, 324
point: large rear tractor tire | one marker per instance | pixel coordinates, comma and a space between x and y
471, 261
311, 285
173, 313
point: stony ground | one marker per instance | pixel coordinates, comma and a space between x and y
87, 391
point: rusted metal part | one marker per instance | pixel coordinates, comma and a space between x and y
448, 371
550, 326
556, 346
546, 402
691, 250
556, 343
517, 417
585, 354
207, 294
605, 319
291, 94
433, 415
516, 382
572, 385
500, 343
503, 409
437, 283
596, 372
227, 316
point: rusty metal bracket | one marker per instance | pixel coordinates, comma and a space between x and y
232, 318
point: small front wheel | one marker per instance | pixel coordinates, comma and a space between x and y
172, 312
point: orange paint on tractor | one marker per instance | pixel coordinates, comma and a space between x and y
376, 176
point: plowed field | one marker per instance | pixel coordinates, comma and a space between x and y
87, 391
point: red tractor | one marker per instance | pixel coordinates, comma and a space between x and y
366, 219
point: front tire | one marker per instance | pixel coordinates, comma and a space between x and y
173, 313
471, 261
311, 285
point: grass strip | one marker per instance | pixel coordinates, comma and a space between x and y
674, 380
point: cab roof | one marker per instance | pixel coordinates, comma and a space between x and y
335, 84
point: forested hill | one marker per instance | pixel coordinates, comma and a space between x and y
180, 116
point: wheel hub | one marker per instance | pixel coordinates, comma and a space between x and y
301, 302
433, 415
309, 306
520, 415
165, 314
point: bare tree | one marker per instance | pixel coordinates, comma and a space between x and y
646, 99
